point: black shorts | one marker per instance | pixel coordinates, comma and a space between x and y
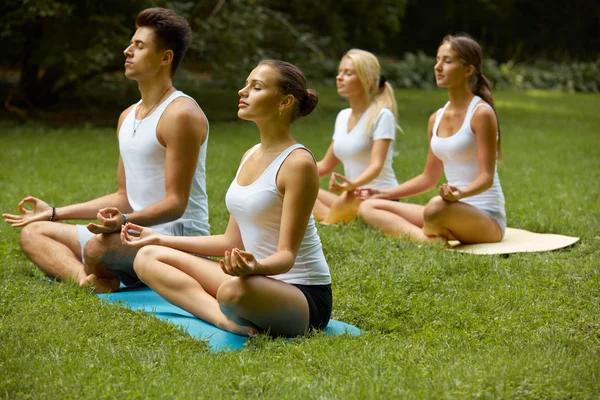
320, 302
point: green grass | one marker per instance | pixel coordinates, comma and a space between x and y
438, 324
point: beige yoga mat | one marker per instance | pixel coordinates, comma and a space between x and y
517, 241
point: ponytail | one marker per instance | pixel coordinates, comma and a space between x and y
384, 98
469, 51
375, 86
480, 86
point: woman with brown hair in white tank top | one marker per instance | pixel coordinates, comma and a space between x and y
464, 139
273, 275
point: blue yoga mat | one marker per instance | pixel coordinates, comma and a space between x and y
218, 340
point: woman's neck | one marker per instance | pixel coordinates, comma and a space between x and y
275, 136
359, 103
460, 97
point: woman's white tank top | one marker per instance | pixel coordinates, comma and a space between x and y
257, 210
459, 155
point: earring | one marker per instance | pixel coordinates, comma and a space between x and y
280, 112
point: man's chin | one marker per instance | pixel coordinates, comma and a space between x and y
129, 75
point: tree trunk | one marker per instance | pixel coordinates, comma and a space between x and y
36, 88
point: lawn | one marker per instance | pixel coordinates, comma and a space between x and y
437, 324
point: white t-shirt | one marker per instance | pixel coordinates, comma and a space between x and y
353, 148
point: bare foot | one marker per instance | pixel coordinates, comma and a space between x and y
241, 330
100, 285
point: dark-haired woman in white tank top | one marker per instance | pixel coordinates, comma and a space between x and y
273, 275
464, 141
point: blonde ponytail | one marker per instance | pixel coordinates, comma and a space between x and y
380, 92
383, 99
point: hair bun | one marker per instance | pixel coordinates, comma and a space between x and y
309, 103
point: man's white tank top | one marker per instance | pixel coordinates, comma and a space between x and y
257, 210
459, 155
144, 161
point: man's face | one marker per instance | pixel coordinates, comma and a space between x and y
143, 58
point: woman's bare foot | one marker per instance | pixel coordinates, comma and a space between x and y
100, 285
242, 330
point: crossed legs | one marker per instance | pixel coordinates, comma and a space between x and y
56, 250
107, 262
439, 220
332, 209
241, 305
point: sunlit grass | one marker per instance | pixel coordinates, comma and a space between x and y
437, 324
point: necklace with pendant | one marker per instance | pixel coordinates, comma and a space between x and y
135, 128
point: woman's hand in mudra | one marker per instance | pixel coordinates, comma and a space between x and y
238, 263
450, 193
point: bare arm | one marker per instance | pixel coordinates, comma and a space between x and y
427, 180
328, 163
87, 210
299, 183
484, 125
182, 130
378, 155
214, 245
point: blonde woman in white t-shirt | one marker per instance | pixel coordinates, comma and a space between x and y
273, 276
464, 143
363, 138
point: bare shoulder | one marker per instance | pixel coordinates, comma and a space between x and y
185, 117
430, 123
185, 110
484, 122
246, 153
484, 113
432, 118
300, 161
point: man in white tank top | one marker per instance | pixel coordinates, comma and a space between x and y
161, 171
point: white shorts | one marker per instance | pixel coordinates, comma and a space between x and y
84, 236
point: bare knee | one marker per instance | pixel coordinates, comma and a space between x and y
366, 207
234, 292
144, 257
29, 236
435, 210
94, 250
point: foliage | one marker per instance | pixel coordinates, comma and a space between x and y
522, 30
231, 39
61, 43
416, 71
349, 23
437, 324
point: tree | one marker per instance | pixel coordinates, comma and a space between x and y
60, 43
349, 23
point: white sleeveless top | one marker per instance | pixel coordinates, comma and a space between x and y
144, 161
353, 148
257, 210
459, 155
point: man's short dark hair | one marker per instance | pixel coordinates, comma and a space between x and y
171, 30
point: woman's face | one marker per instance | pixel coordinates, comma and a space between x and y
261, 97
449, 68
347, 81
